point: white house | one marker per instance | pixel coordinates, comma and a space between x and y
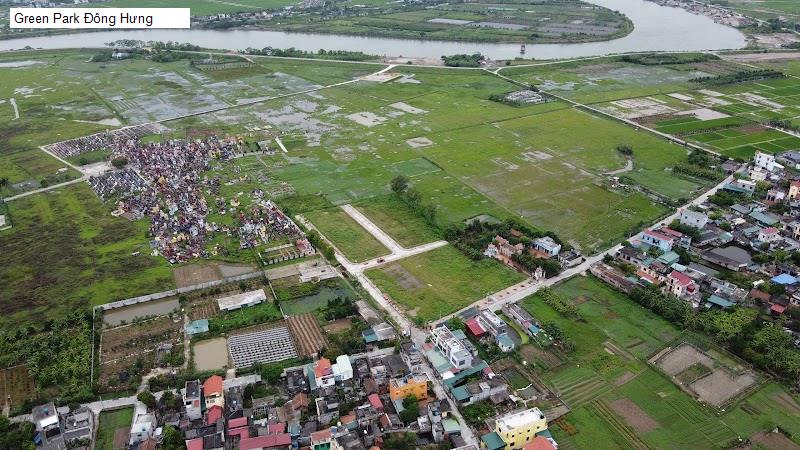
342, 369
766, 161
768, 234
143, 425
692, 218
452, 347
547, 245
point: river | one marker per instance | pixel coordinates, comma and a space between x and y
656, 28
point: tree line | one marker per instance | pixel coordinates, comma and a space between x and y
760, 342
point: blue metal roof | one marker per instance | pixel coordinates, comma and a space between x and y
719, 301
493, 441
784, 278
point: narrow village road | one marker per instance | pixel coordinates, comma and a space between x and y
48, 188
417, 335
529, 287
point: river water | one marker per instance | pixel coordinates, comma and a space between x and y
656, 28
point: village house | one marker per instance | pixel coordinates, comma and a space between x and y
691, 218
682, 286
451, 347
766, 161
658, 239
516, 430
547, 245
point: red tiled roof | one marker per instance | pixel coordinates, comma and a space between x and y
539, 443
681, 278
670, 232
322, 435
237, 422
375, 401
270, 441
213, 385
776, 308
350, 418
322, 367
195, 444
642, 274
475, 327
761, 295
242, 432
658, 235
213, 414
276, 428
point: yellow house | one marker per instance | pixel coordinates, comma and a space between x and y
401, 388
520, 428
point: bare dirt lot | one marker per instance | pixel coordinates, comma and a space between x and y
192, 274
773, 441
404, 278
337, 326
634, 416
306, 333
720, 386
211, 354
681, 358
16, 386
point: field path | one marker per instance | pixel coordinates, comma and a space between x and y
13, 102
406, 327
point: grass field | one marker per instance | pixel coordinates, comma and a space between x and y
441, 281
608, 368
108, 422
397, 220
605, 79
66, 252
347, 235
525, 21
202, 7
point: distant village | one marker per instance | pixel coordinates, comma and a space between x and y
739, 247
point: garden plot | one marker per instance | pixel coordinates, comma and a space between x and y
136, 347
16, 387
634, 416
707, 378
306, 334
261, 344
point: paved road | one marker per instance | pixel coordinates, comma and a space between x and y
528, 287
48, 188
417, 335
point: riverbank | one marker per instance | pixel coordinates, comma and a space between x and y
656, 28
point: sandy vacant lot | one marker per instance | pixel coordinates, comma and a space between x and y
211, 354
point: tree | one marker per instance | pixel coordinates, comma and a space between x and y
172, 439
399, 184
119, 163
401, 441
271, 373
411, 411
3, 182
147, 398
625, 150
